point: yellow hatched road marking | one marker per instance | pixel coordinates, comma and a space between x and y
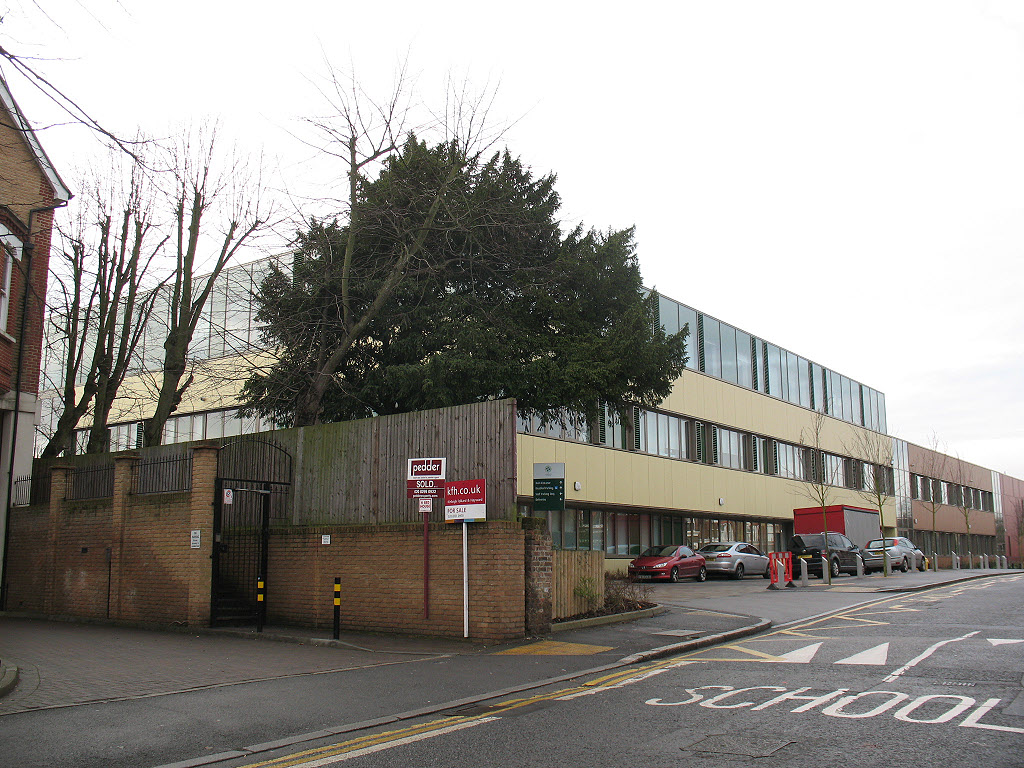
552, 648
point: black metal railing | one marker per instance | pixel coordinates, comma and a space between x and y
95, 482
22, 493
171, 473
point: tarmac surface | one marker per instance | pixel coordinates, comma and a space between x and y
47, 664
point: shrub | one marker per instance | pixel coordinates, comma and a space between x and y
621, 594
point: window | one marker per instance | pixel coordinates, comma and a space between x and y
10, 251
732, 449
729, 368
688, 319
711, 346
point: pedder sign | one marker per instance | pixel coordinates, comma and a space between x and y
465, 500
425, 477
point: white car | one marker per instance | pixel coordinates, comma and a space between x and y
903, 555
735, 558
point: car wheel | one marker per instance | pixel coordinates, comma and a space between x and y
673, 575
702, 574
905, 566
767, 572
738, 573
922, 567
834, 568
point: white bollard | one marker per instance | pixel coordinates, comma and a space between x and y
935, 562
954, 560
886, 563
803, 572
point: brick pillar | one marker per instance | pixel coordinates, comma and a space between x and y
60, 479
537, 562
200, 566
123, 465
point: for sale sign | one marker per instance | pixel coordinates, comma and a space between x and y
465, 500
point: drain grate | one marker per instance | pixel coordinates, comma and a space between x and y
745, 746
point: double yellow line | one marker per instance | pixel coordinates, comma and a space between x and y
335, 753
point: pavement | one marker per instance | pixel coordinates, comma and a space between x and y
49, 664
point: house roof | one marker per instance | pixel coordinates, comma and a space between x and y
60, 190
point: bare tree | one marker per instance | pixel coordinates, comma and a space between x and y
930, 484
1015, 515
218, 208
873, 454
97, 304
962, 496
70, 110
824, 475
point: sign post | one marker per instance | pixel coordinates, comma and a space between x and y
549, 487
465, 501
424, 481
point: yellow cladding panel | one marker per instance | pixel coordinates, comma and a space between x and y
729, 405
215, 387
635, 480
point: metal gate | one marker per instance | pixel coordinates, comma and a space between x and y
253, 480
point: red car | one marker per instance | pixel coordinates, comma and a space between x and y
671, 562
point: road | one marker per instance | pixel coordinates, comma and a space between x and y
918, 679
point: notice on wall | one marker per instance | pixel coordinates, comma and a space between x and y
548, 487
197, 539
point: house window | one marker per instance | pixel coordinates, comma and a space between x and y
10, 251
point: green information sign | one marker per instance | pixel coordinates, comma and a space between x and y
548, 494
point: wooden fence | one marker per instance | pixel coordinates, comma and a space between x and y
577, 582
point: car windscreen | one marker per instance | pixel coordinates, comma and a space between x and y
809, 541
660, 551
715, 548
875, 543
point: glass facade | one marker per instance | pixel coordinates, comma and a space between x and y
727, 353
627, 534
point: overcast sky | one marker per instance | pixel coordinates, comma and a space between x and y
844, 179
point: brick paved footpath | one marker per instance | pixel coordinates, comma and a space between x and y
61, 664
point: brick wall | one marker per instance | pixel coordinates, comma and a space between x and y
23, 186
537, 545
125, 558
381, 569
28, 559
60, 565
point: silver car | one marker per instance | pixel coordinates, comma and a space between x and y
735, 558
903, 555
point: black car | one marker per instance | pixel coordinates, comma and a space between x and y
843, 553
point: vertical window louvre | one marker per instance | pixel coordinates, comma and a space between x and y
699, 429
810, 378
775, 457
714, 446
753, 361
636, 428
601, 427
753, 453
764, 372
700, 342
